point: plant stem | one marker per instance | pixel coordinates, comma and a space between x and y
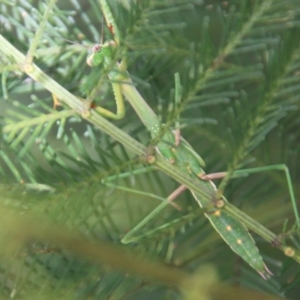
139, 149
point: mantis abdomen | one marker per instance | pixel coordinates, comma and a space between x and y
237, 236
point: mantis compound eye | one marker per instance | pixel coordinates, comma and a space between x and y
97, 48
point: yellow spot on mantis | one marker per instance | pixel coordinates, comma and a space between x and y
217, 213
239, 241
289, 251
228, 228
189, 169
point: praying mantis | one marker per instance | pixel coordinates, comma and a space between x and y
175, 149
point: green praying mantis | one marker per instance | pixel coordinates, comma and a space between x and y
175, 149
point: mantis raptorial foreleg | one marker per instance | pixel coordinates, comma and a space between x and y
107, 51
172, 146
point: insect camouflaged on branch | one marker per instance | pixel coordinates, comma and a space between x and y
172, 146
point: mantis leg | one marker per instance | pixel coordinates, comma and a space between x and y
166, 201
131, 236
119, 102
178, 92
105, 55
246, 172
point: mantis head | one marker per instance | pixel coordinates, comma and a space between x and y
101, 53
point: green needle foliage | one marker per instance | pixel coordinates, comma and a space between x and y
69, 191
